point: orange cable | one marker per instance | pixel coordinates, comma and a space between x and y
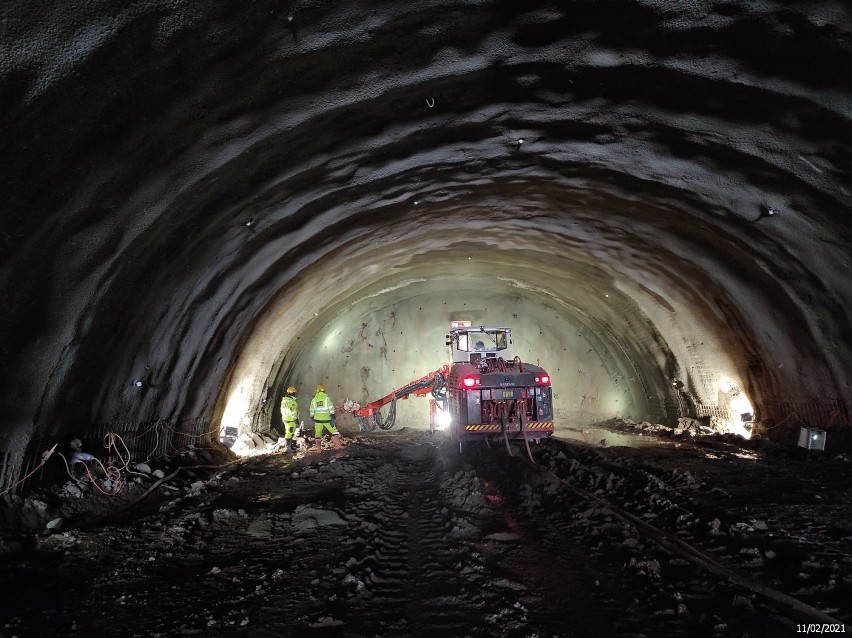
44, 456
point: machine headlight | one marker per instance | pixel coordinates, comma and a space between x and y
443, 419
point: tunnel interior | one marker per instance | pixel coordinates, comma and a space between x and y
205, 203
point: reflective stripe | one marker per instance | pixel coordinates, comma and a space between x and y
321, 405
539, 425
289, 409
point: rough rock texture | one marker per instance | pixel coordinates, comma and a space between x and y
399, 535
218, 199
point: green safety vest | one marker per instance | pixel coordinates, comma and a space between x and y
289, 408
321, 407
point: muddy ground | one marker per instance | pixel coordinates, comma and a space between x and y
400, 535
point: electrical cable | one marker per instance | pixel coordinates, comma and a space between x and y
156, 441
693, 555
153, 487
174, 474
784, 420
111, 472
68, 469
94, 481
110, 442
44, 456
198, 436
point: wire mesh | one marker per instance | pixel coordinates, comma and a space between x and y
145, 440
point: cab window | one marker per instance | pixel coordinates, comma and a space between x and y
463, 343
501, 340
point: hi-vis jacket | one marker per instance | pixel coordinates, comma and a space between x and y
289, 409
321, 407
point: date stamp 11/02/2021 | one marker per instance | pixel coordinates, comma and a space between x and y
821, 628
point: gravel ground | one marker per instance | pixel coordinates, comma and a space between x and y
399, 535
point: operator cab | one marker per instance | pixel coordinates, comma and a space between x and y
470, 345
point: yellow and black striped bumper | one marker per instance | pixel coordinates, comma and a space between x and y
535, 426
539, 426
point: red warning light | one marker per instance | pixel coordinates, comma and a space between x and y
469, 382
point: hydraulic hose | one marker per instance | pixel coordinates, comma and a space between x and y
405, 390
386, 424
526, 439
503, 429
438, 386
436, 383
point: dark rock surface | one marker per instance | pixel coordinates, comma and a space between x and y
217, 200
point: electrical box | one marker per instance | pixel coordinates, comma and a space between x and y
812, 439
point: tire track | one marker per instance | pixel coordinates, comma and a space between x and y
415, 568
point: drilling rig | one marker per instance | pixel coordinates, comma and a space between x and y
482, 393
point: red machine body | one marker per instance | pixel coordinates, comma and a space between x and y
484, 392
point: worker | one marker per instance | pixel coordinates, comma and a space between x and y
290, 416
322, 413
480, 346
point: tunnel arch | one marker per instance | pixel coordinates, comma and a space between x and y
522, 282
182, 175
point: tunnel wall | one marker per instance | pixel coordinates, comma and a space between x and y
405, 341
176, 173
361, 348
